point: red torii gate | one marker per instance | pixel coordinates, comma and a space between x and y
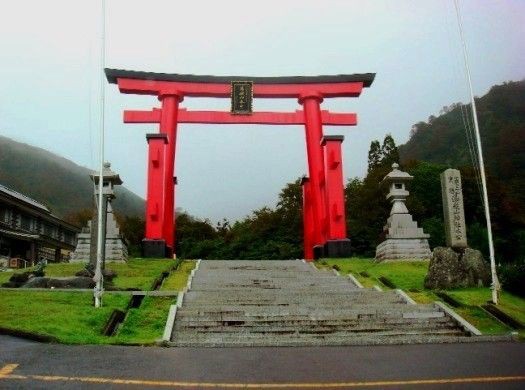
323, 198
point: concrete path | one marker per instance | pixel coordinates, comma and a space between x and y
29, 365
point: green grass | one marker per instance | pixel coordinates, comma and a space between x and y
135, 273
178, 279
4, 277
404, 274
63, 269
410, 275
68, 316
145, 325
139, 273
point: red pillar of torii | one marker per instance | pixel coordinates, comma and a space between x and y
323, 198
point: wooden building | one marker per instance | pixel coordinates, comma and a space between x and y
29, 232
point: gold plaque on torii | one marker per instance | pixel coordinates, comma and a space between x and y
241, 97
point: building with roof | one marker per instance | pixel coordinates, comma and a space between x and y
29, 231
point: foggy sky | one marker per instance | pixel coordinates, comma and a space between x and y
49, 80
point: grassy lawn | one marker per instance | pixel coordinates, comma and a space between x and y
70, 317
136, 273
145, 324
62, 269
4, 276
405, 274
139, 273
410, 276
178, 279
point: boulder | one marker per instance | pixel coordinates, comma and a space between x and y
451, 268
85, 273
444, 270
37, 282
20, 278
16, 280
109, 275
75, 282
478, 270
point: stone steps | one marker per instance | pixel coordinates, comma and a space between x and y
288, 303
310, 311
313, 303
309, 326
298, 339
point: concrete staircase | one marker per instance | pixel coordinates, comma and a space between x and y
290, 303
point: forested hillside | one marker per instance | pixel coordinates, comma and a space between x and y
501, 114
54, 181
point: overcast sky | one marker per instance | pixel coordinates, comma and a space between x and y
49, 79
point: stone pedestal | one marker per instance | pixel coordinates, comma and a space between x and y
153, 248
116, 248
83, 249
337, 248
403, 249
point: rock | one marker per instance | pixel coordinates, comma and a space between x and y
75, 282
449, 268
478, 270
78, 282
109, 275
85, 273
37, 282
444, 270
20, 278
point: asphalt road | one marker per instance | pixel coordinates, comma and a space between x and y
29, 365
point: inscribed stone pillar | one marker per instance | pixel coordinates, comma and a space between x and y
454, 214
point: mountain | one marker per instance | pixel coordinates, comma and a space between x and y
501, 115
60, 184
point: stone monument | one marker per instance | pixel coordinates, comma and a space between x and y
404, 239
453, 212
456, 265
115, 248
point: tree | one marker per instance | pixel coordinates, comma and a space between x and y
132, 228
374, 155
79, 218
389, 152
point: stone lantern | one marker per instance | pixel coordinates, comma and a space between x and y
109, 180
403, 239
115, 248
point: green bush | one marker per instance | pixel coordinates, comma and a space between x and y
513, 278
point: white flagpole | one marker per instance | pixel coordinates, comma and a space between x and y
495, 283
99, 279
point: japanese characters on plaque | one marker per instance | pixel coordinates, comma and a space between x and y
453, 211
241, 97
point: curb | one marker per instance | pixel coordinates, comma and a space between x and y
469, 328
354, 280
405, 296
170, 321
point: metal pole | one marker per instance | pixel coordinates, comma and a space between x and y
99, 279
495, 283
